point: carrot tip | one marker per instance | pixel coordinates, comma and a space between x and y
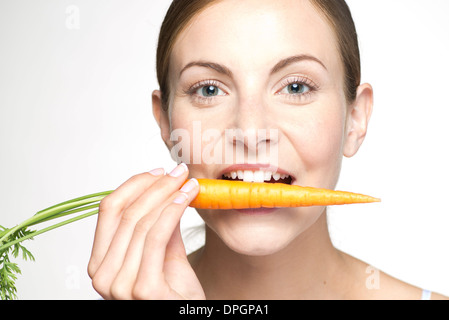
224, 194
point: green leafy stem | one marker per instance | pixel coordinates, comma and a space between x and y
10, 239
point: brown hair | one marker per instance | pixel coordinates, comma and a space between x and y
336, 12
339, 16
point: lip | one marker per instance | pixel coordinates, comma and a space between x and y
257, 211
257, 166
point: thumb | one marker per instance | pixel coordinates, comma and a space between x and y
175, 247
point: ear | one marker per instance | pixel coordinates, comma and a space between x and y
357, 120
162, 118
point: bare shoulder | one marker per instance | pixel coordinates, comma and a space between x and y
370, 283
397, 289
437, 296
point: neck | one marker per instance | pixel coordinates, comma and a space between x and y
309, 267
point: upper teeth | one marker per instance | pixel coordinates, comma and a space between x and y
255, 176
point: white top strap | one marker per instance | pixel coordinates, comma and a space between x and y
426, 294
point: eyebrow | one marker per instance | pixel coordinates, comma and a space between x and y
212, 65
279, 66
298, 58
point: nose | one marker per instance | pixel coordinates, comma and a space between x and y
253, 134
252, 138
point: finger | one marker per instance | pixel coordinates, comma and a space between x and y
175, 247
122, 286
110, 211
163, 232
149, 203
155, 197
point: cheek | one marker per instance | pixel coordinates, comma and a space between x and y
326, 139
198, 143
319, 144
182, 132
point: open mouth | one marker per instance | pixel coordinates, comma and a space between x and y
258, 176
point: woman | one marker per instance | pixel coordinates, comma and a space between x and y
286, 75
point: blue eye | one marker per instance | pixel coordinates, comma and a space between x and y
209, 91
295, 88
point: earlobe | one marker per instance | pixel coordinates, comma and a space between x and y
161, 117
357, 120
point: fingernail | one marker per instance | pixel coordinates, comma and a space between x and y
157, 172
179, 170
181, 198
189, 185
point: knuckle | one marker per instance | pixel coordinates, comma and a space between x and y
144, 292
135, 178
170, 212
153, 290
129, 217
143, 225
108, 203
100, 284
119, 290
173, 208
141, 176
91, 268
140, 293
154, 238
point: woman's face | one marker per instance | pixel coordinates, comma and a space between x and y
272, 70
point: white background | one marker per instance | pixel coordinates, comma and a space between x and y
75, 118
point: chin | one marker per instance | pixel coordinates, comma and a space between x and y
257, 246
261, 234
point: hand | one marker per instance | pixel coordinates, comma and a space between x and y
138, 251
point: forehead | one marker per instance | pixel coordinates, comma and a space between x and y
256, 34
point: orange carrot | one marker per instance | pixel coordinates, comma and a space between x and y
227, 194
